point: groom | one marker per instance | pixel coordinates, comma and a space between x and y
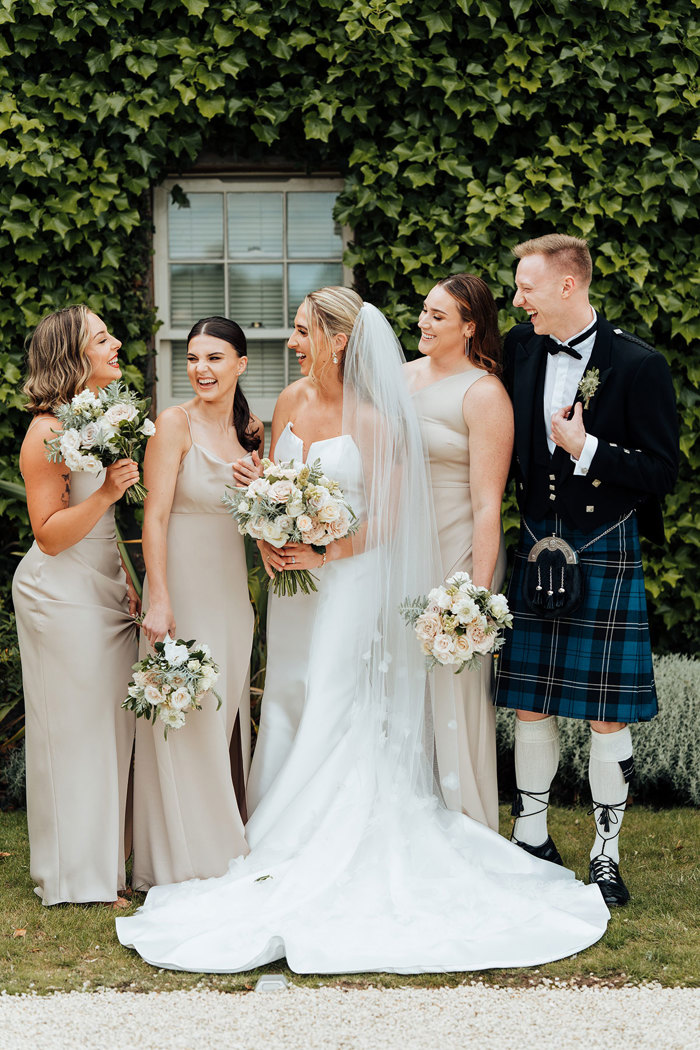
596, 447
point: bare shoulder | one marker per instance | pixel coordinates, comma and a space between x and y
172, 422
293, 396
487, 394
42, 428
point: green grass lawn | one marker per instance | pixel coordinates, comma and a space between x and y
655, 938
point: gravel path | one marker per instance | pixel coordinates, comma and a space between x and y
646, 1018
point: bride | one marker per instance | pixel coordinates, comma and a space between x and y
355, 864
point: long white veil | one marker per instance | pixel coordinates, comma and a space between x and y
400, 533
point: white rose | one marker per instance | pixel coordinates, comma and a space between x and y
119, 413
193, 665
175, 654
441, 598
443, 648
91, 464
89, 435
304, 523
272, 533
258, 487
180, 699
171, 718
148, 428
285, 522
70, 439
85, 399
73, 459
281, 491
153, 695
254, 529
243, 506
317, 497
331, 512
460, 579
498, 606
295, 507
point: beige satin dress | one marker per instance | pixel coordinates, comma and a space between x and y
464, 720
187, 822
77, 643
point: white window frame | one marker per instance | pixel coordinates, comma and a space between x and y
167, 334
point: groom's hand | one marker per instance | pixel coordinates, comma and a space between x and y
569, 434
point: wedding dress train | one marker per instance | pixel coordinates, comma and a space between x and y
354, 863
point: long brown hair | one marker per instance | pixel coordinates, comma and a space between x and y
233, 334
477, 304
58, 367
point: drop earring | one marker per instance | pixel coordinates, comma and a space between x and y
335, 358
468, 346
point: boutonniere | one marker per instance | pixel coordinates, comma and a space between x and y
588, 385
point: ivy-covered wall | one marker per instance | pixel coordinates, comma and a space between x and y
460, 127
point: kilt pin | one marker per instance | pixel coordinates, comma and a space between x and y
596, 663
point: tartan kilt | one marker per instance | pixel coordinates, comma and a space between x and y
595, 664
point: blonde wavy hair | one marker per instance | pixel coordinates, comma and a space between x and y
57, 365
331, 311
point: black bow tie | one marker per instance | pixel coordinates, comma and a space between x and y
568, 348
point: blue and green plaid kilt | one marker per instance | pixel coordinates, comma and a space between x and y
596, 663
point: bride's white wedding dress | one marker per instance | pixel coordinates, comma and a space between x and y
351, 868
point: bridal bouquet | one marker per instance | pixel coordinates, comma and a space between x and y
99, 429
172, 681
458, 622
292, 503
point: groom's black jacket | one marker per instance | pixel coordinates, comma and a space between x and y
633, 415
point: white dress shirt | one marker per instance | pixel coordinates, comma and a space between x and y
563, 375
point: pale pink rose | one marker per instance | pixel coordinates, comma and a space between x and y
259, 487
153, 695
317, 534
338, 528
281, 491
427, 626
305, 523
478, 639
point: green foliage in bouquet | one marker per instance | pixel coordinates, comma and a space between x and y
459, 127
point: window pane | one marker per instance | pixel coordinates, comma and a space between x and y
310, 227
254, 224
256, 298
197, 231
264, 376
180, 386
195, 292
309, 277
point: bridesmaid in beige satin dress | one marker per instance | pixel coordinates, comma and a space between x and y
189, 790
74, 607
467, 423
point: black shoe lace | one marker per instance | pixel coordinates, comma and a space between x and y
604, 869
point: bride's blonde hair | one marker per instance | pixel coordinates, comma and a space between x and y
331, 311
58, 366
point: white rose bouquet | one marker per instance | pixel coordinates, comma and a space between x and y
99, 429
292, 503
458, 623
172, 681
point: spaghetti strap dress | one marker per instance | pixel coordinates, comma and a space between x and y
187, 815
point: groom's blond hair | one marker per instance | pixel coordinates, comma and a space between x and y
569, 253
331, 311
